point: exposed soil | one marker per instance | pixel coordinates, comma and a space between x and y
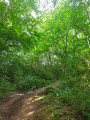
21, 106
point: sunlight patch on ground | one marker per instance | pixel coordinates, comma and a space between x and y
29, 99
39, 98
30, 113
16, 94
36, 98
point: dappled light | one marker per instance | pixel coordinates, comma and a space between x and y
37, 99
44, 59
17, 94
30, 113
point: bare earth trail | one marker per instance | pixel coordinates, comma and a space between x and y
18, 106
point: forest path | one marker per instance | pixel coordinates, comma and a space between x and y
21, 106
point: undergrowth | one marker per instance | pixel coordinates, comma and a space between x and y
70, 94
22, 83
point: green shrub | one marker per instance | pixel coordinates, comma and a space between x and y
42, 73
1, 95
78, 98
29, 81
51, 90
6, 86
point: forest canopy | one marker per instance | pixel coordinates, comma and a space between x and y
46, 40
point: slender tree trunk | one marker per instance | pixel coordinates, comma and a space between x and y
65, 53
86, 10
88, 41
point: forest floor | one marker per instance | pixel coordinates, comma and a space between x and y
22, 106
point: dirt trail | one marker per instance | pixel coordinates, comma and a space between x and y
18, 106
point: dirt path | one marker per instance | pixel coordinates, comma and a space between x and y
18, 106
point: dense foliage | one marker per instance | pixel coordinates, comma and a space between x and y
55, 44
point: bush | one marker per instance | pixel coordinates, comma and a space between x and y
51, 90
29, 81
42, 73
78, 98
1, 95
6, 86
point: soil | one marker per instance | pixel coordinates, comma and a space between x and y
21, 106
